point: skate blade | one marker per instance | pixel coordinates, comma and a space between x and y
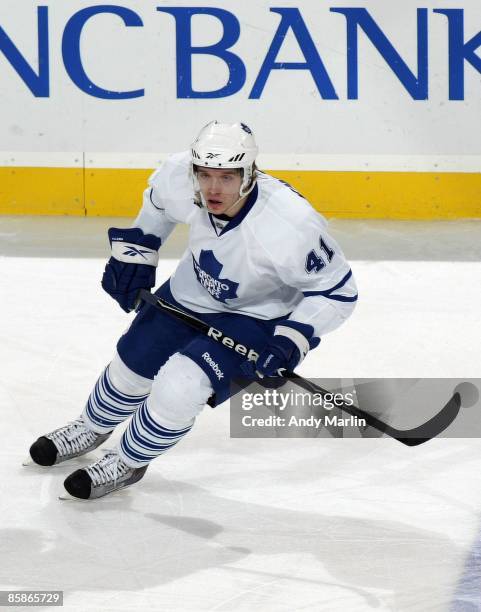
28, 462
67, 497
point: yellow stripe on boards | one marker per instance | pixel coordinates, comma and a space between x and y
389, 195
41, 191
351, 195
114, 192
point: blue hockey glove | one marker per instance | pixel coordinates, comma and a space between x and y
287, 348
132, 265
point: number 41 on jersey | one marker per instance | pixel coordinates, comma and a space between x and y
316, 262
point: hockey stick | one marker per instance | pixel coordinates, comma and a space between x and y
411, 437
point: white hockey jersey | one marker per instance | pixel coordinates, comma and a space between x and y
273, 259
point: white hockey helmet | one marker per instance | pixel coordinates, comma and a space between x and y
226, 145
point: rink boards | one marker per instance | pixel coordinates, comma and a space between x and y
370, 111
84, 191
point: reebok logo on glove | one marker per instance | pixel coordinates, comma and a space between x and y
133, 251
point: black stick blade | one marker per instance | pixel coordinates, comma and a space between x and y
432, 428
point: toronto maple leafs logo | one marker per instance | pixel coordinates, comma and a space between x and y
208, 270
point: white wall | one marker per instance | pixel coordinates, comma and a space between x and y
290, 118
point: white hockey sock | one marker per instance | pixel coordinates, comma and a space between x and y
145, 438
107, 406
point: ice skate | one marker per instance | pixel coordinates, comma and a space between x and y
71, 440
105, 476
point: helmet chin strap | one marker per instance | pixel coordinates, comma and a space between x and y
234, 205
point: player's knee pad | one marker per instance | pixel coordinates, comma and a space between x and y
125, 380
179, 392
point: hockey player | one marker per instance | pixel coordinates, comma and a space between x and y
260, 265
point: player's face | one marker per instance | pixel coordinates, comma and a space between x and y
220, 188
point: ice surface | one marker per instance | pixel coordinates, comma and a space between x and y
230, 524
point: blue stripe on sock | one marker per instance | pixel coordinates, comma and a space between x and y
156, 428
139, 446
117, 395
107, 407
133, 450
131, 454
142, 441
103, 405
97, 419
110, 410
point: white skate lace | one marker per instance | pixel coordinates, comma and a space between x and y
107, 469
73, 438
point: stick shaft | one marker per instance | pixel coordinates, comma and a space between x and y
409, 437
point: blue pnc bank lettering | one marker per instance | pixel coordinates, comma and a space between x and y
289, 22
